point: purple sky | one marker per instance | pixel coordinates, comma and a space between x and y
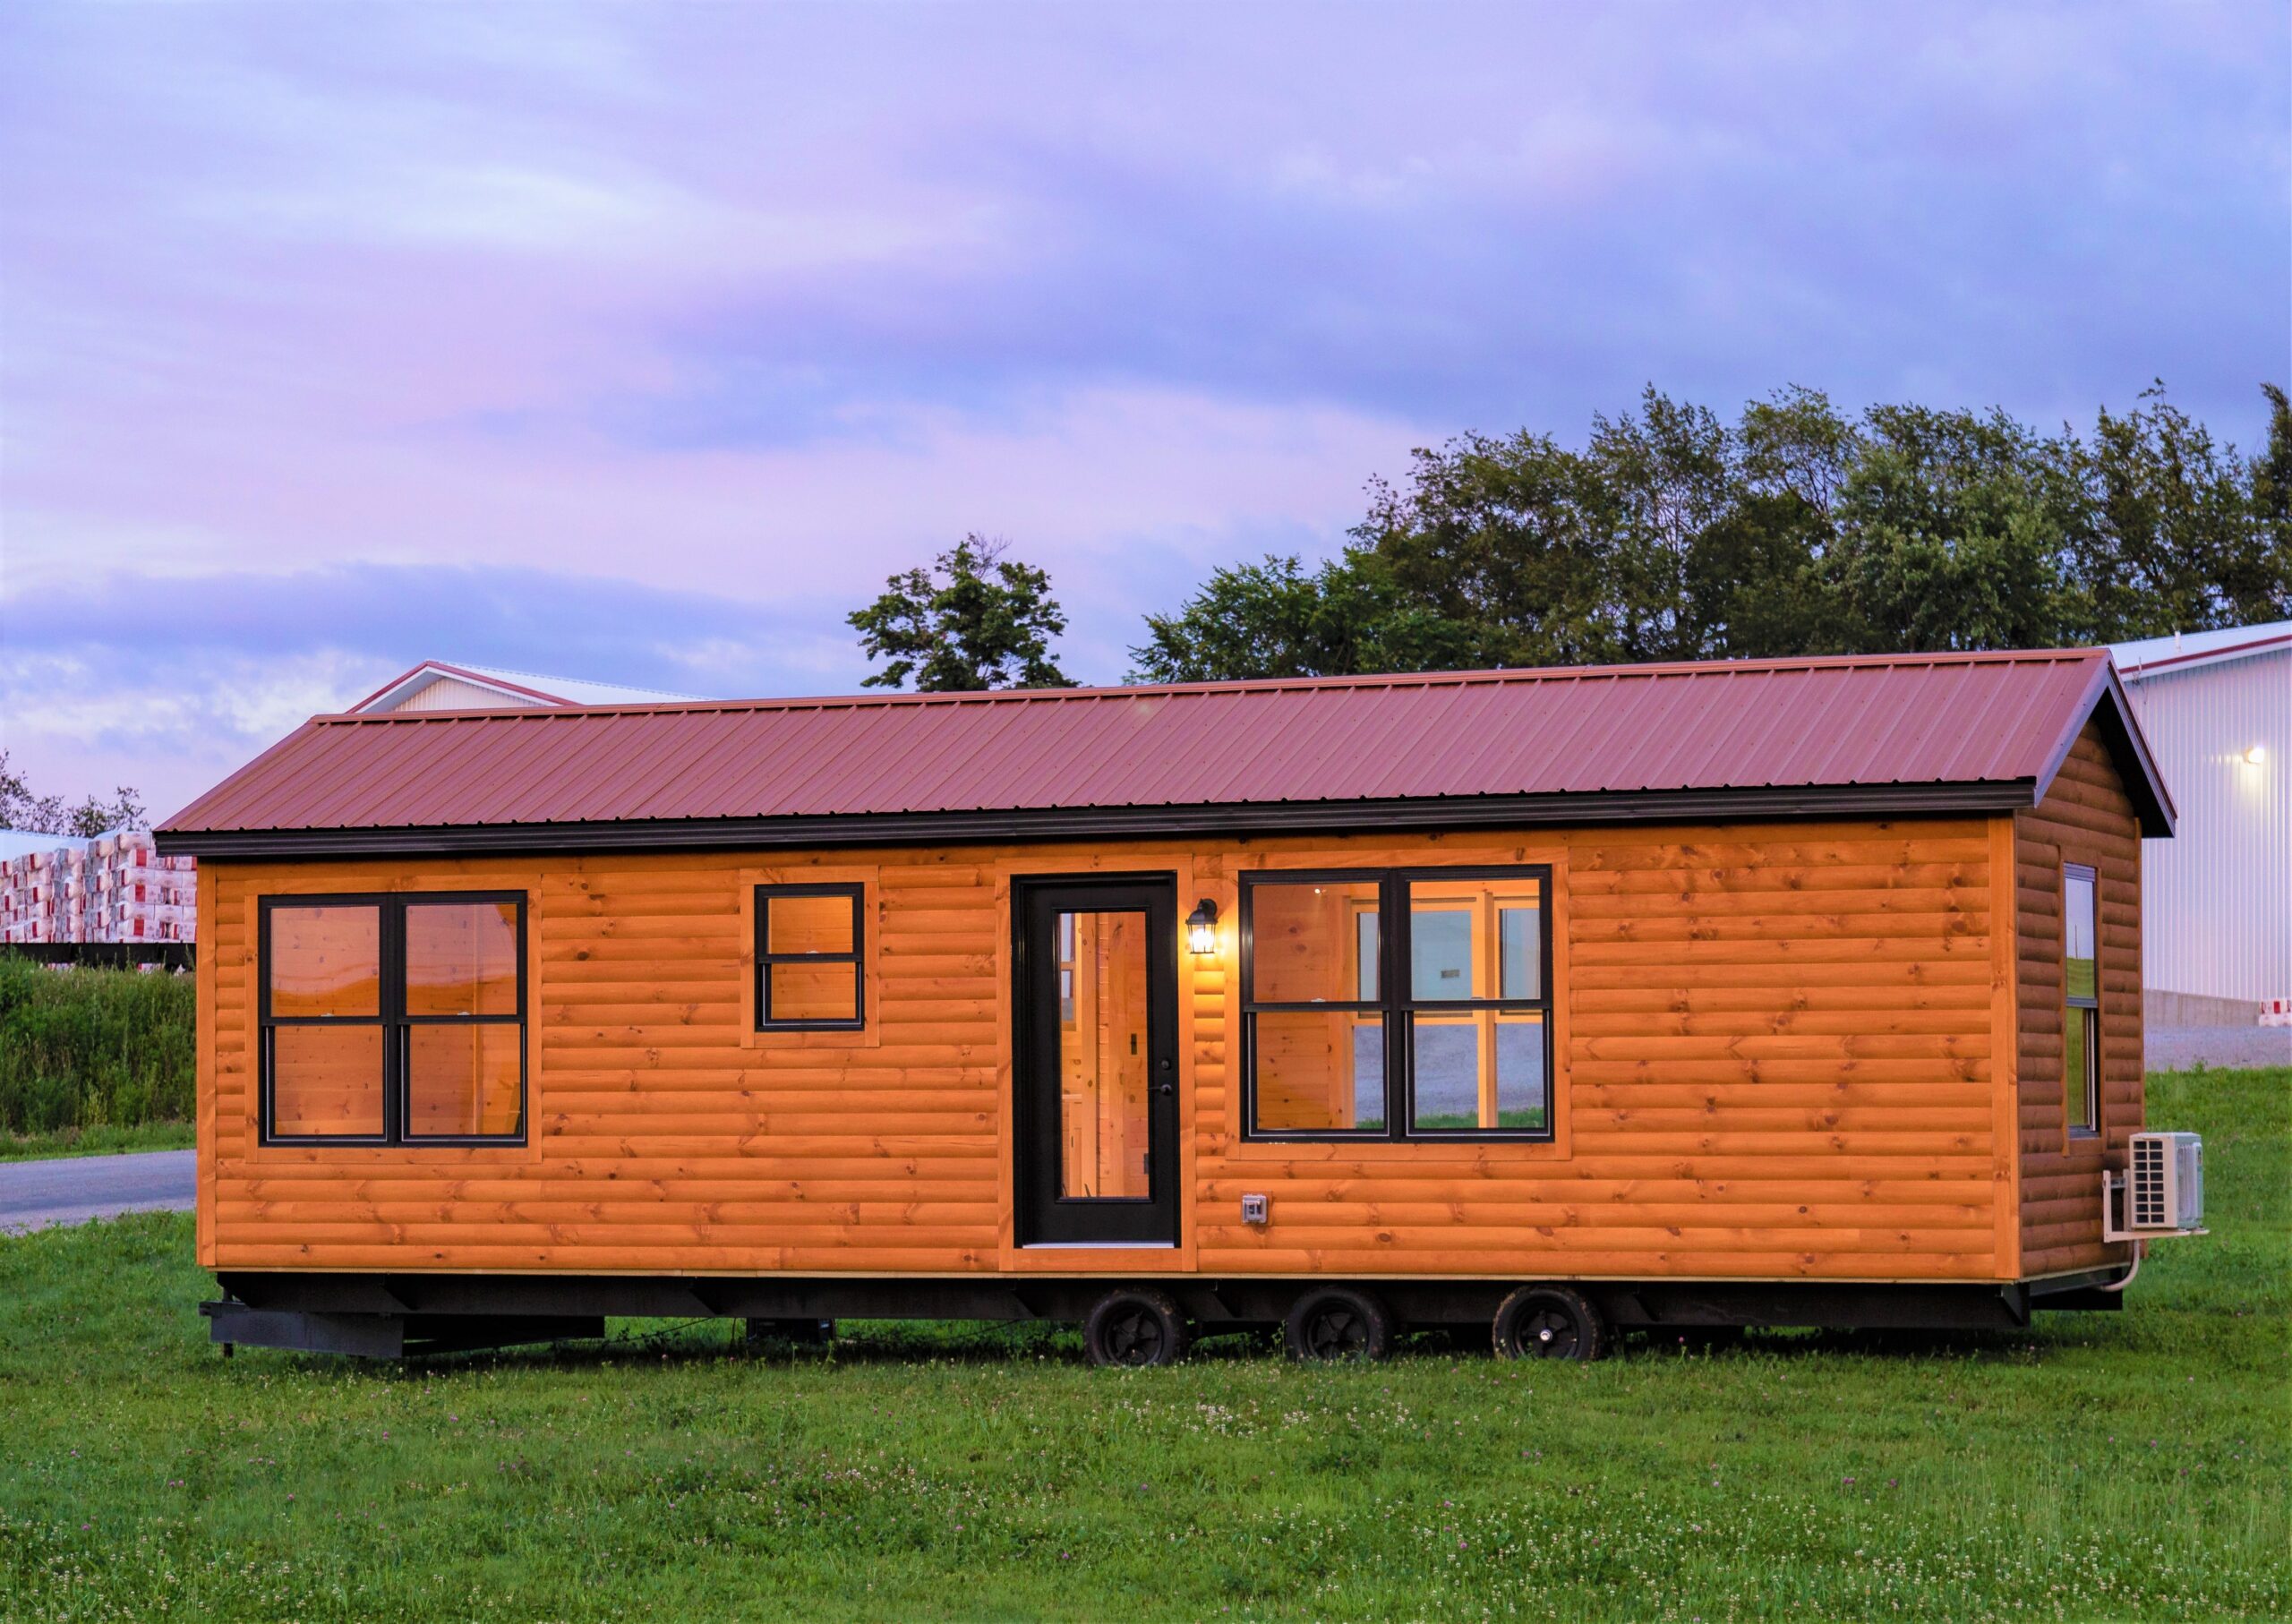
640, 343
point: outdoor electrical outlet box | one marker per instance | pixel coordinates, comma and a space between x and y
1253, 1209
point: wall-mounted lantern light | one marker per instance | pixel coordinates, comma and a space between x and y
1201, 928
2254, 754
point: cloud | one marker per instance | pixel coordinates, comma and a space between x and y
642, 342
124, 675
170, 682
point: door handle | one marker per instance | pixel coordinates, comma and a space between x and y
1167, 1089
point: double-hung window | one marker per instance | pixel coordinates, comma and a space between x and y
2081, 1012
393, 1019
807, 958
1397, 1004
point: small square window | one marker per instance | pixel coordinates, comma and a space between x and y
809, 973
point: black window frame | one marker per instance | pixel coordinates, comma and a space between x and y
856, 958
1396, 1005
2085, 1010
391, 1017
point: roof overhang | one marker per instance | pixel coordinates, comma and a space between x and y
1035, 824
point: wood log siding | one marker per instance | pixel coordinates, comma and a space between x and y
1775, 1057
2086, 818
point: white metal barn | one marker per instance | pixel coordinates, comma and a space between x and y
2217, 900
435, 685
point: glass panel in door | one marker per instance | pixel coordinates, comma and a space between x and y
1103, 1056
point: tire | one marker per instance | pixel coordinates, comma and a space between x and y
1549, 1322
1337, 1323
801, 1333
1135, 1329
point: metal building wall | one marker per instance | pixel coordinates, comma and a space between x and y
2217, 897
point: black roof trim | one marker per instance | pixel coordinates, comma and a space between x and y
1083, 822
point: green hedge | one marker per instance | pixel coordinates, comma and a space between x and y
85, 1048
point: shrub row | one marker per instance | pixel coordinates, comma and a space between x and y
86, 1048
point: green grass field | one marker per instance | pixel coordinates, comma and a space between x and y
98, 1142
2096, 1466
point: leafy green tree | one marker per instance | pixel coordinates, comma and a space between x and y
1274, 620
1665, 538
1948, 533
975, 620
20, 808
1754, 584
2266, 594
1672, 535
1665, 478
2170, 546
1506, 539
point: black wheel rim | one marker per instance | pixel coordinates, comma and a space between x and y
1336, 1332
1548, 1331
1133, 1336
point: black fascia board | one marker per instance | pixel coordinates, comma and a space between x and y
1427, 815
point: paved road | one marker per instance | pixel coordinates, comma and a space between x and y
74, 1189
2173, 1049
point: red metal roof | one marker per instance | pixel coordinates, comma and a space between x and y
2001, 721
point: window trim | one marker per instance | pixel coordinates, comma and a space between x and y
391, 1017
1397, 1007
2086, 1010
857, 958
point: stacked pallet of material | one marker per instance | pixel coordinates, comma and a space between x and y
29, 883
114, 888
137, 895
75, 905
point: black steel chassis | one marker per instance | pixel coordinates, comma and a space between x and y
389, 1316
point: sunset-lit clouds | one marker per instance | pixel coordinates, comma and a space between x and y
640, 343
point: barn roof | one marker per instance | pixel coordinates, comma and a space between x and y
2187, 650
517, 689
1842, 737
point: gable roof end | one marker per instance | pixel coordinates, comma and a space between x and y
2111, 710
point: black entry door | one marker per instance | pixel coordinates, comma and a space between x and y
1097, 1061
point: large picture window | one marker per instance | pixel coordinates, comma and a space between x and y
1397, 1004
2081, 1012
394, 1020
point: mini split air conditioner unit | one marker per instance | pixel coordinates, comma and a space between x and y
2161, 1194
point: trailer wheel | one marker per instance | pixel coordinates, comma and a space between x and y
1549, 1323
802, 1333
1136, 1327
1337, 1322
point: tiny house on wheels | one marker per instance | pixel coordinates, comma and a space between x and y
1561, 1003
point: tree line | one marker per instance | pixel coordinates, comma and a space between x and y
21, 809
1674, 534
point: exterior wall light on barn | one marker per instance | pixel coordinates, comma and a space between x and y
1201, 928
